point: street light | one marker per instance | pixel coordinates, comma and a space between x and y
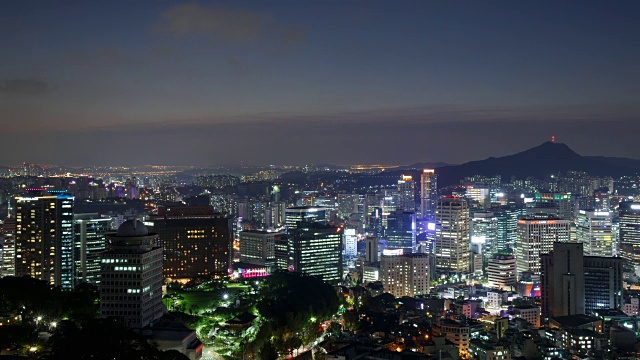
225, 296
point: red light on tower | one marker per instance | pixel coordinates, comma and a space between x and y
553, 139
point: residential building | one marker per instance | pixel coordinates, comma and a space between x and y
405, 275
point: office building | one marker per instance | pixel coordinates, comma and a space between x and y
44, 237
195, 241
131, 276
480, 195
281, 251
508, 216
298, 214
405, 275
90, 243
551, 204
484, 231
407, 193
629, 214
594, 230
451, 246
316, 250
536, 237
501, 271
350, 243
372, 250
258, 247
401, 231
428, 193
8, 248
576, 284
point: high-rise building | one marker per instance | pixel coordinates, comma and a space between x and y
484, 231
350, 243
195, 241
508, 216
428, 193
8, 248
281, 251
298, 214
405, 275
552, 204
576, 284
536, 237
131, 276
44, 237
501, 271
401, 231
407, 193
258, 247
316, 249
594, 230
372, 251
451, 247
629, 213
90, 243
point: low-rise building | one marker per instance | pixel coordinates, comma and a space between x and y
483, 350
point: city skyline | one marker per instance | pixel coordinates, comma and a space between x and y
197, 82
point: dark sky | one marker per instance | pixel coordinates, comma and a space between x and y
273, 82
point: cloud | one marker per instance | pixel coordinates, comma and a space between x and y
226, 24
25, 86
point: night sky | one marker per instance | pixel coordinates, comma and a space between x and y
300, 82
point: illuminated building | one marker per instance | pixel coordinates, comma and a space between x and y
594, 230
298, 214
552, 204
401, 231
479, 195
195, 241
576, 284
90, 243
536, 237
507, 216
8, 265
407, 193
501, 271
428, 193
451, 246
316, 250
405, 275
44, 237
484, 231
372, 251
258, 247
483, 350
281, 251
350, 243
629, 213
131, 276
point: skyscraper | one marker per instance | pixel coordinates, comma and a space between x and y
401, 231
90, 243
501, 271
316, 249
629, 213
131, 276
428, 193
594, 230
451, 247
536, 237
44, 237
195, 241
407, 193
8, 248
484, 231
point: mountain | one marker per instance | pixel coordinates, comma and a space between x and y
540, 161
618, 161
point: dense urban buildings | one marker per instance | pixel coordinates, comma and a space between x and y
131, 276
44, 242
196, 241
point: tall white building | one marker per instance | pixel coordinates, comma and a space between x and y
405, 275
451, 247
131, 276
350, 243
594, 230
501, 271
8, 265
536, 237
